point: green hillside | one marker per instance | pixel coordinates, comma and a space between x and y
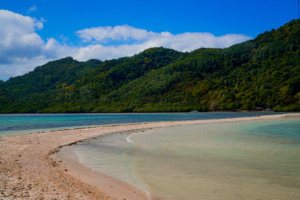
264, 72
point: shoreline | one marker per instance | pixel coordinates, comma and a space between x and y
116, 189
72, 127
27, 169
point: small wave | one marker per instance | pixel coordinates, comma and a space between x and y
129, 140
148, 195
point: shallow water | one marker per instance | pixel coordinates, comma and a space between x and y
237, 160
24, 123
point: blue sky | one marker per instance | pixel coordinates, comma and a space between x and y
111, 29
219, 17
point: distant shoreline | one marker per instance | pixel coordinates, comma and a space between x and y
29, 171
218, 111
9, 126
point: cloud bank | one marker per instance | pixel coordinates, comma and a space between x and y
22, 48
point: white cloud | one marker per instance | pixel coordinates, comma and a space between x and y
182, 42
137, 40
31, 9
117, 33
22, 49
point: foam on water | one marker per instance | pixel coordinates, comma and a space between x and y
128, 139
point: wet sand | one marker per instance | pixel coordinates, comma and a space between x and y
29, 170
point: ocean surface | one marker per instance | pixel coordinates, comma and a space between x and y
24, 123
236, 160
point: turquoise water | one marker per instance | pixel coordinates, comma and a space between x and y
24, 123
236, 160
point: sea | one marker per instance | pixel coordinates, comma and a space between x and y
27, 123
233, 160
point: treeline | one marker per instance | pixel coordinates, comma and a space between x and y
260, 73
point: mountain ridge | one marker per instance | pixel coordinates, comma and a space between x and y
263, 72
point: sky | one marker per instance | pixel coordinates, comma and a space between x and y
33, 32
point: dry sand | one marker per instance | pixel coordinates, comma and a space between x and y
28, 171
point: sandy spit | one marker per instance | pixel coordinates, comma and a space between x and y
28, 171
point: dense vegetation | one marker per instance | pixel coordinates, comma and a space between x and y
264, 72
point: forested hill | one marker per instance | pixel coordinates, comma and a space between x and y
264, 72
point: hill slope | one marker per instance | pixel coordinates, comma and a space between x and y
264, 72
